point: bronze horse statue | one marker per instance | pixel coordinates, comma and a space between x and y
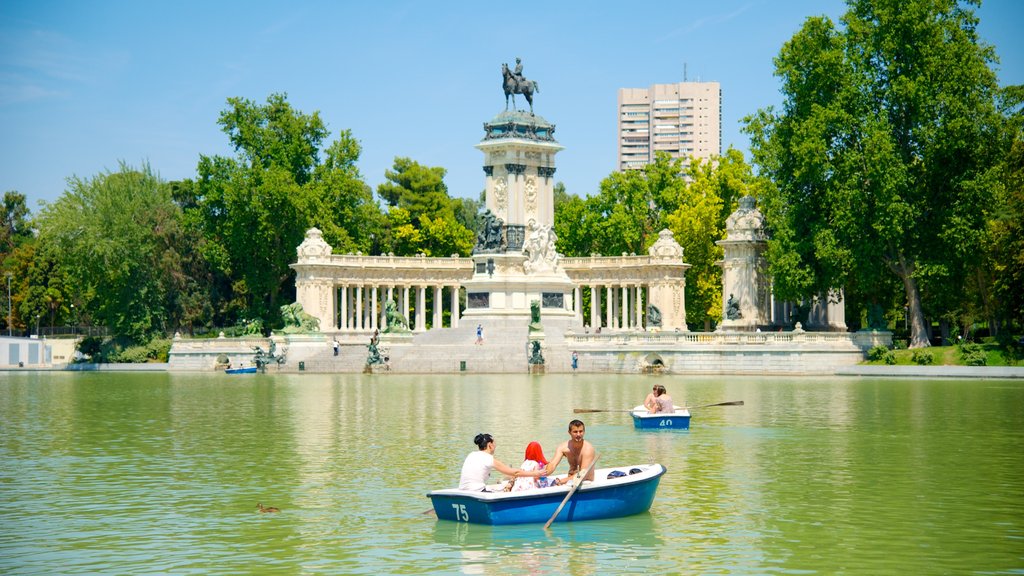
513, 86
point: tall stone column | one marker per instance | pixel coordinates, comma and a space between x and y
454, 295
359, 307
625, 307
405, 302
609, 308
638, 310
374, 297
343, 300
421, 304
437, 322
577, 303
595, 306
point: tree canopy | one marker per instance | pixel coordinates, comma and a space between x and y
882, 155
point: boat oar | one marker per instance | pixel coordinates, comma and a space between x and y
589, 410
575, 485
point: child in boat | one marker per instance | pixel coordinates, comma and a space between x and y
535, 460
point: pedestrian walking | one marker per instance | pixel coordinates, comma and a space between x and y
336, 345
479, 334
575, 360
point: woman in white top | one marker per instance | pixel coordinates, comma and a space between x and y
478, 465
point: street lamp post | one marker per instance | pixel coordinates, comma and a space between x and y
37, 325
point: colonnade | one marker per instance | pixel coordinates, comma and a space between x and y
624, 305
360, 307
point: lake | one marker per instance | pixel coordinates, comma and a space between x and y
124, 473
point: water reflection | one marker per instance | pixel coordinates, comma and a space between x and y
128, 473
567, 548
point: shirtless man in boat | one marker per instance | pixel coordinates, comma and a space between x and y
576, 450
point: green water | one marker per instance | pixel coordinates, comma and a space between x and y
157, 473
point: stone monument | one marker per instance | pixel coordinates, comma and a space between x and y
514, 260
746, 291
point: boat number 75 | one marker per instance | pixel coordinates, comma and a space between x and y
460, 512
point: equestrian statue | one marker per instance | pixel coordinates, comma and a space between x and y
515, 83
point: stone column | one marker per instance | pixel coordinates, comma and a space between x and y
609, 307
577, 303
437, 307
359, 308
405, 303
638, 291
454, 295
421, 303
595, 306
373, 307
626, 325
343, 321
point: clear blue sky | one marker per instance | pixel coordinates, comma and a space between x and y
84, 85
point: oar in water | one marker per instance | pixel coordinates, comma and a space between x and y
589, 410
575, 485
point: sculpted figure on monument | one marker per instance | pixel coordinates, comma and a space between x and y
540, 249
732, 309
515, 83
396, 320
653, 316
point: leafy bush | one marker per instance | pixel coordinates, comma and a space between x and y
130, 355
972, 354
922, 357
899, 344
881, 354
91, 346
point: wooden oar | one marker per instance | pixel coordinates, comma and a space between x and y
589, 410
575, 485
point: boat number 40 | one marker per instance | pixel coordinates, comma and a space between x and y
460, 512
667, 422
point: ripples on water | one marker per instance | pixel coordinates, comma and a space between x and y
155, 473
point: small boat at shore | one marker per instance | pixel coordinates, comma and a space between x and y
242, 370
678, 420
630, 490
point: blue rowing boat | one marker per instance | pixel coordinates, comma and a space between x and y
678, 420
602, 498
243, 370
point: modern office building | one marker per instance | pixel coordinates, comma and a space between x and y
683, 119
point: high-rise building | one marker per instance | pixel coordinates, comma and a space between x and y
683, 119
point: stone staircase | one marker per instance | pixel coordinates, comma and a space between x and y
504, 348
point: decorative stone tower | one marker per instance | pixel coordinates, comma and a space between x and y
746, 292
515, 261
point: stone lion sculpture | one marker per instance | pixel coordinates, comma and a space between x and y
297, 320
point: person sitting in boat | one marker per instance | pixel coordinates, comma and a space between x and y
662, 401
649, 402
578, 452
535, 460
478, 466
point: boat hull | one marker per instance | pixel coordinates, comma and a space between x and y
600, 499
246, 370
678, 420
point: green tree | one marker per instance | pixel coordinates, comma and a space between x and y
254, 209
14, 222
419, 200
882, 154
103, 232
697, 221
419, 189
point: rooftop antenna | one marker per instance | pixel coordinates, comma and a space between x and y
684, 71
